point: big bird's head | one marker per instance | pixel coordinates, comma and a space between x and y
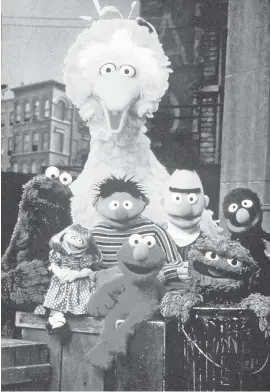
116, 74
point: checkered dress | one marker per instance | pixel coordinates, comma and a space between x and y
73, 296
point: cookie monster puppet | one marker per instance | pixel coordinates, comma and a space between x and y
243, 213
44, 210
140, 259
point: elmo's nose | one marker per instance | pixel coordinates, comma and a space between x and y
242, 216
140, 252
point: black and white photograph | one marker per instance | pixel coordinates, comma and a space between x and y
135, 195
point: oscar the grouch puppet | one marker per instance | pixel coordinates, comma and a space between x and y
44, 210
222, 274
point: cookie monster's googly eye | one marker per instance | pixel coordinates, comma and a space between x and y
65, 178
128, 70
234, 262
135, 239
176, 198
192, 198
232, 207
107, 69
211, 256
114, 204
127, 204
247, 203
52, 172
149, 241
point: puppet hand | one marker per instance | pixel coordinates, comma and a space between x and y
100, 303
71, 276
182, 271
61, 273
107, 275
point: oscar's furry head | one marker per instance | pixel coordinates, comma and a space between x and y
221, 268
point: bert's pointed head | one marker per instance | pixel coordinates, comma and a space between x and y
184, 199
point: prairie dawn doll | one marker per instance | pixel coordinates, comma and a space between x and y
72, 257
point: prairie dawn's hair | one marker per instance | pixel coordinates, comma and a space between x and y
114, 184
92, 249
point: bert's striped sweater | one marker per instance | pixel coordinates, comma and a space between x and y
109, 240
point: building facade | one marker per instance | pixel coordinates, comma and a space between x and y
44, 129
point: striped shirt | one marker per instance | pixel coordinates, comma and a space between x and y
109, 240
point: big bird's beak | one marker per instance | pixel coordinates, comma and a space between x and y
116, 93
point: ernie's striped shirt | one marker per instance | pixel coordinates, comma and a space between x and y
109, 240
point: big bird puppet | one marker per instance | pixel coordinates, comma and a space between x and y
116, 74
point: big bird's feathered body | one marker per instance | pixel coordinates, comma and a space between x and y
116, 74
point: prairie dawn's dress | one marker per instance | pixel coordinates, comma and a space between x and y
73, 296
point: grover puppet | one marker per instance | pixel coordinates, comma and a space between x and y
140, 260
243, 213
44, 210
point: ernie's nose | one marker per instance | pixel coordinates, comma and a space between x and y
140, 252
121, 214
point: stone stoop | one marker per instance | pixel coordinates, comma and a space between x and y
24, 365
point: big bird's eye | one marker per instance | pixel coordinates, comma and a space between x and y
65, 178
128, 70
135, 239
232, 207
211, 256
106, 69
192, 198
52, 172
176, 198
247, 203
127, 204
234, 262
149, 241
114, 204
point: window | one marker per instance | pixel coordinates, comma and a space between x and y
15, 167
24, 168
18, 113
46, 108
27, 111
59, 141
11, 117
36, 110
10, 146
33, 167
16, 144
2, 119
26, 142
35, 143
61, 110
45, 141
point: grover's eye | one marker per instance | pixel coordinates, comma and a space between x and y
192, 198
149, 241
234, 262
211, 256
106, 69
52, 172
232, 207
65, 178
127, 204
176, 198
114, 204
134, 239
247, 203
128, 70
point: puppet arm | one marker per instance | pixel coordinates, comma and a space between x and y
104, 298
